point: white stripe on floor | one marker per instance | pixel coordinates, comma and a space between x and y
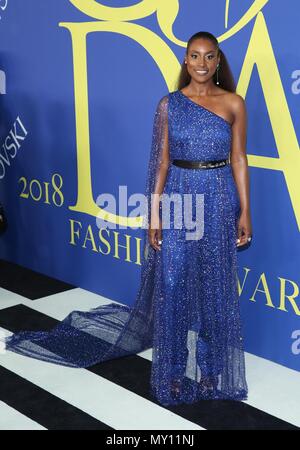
273, 388
10, 419
8, 299
102, 399
57, 306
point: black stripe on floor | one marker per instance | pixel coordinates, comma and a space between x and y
133, 374
44, 408
29, 284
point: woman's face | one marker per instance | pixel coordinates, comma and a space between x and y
202, 60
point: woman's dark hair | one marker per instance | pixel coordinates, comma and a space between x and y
226, 80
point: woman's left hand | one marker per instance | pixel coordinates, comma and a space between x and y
244, 231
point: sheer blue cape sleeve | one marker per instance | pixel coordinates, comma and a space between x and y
110, 331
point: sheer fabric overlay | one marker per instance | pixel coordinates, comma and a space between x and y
187, 306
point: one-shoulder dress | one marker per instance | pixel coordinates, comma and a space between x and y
187, 305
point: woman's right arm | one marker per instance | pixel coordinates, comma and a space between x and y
155, 226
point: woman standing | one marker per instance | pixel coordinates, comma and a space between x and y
200, 148
187, 306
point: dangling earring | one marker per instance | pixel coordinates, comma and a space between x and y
217, 82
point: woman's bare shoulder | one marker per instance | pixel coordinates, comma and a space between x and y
233, 98
237, 103
234, 102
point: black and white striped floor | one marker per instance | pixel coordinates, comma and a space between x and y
113, 395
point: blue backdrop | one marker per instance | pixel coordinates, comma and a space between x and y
79, 83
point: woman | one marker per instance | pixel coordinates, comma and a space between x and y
197, 339
187, 306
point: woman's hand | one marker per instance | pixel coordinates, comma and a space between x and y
155, 235
244, 229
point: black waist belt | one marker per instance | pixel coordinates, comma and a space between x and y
187, 164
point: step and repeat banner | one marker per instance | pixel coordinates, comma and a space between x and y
79, 84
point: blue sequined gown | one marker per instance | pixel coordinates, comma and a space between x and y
187, 304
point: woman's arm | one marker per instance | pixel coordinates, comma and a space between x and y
155, 227
239, 164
